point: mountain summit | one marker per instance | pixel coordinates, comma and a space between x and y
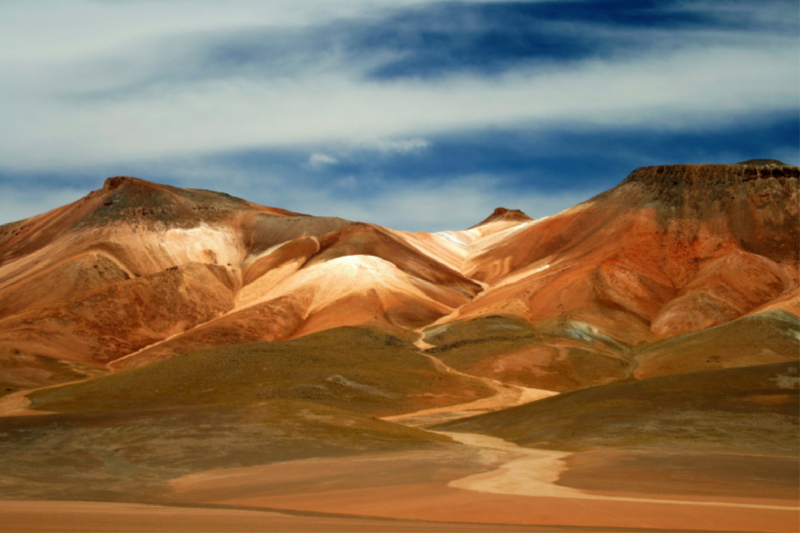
503, 214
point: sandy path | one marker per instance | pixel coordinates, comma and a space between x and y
17, 403
506, 395
531, 472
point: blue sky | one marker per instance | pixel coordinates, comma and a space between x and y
414, 114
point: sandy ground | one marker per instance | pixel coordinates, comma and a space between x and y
487, 481
483, 484
411, 487
669, 474
535, 473
89, 517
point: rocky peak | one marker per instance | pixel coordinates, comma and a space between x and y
503, 214
115, 182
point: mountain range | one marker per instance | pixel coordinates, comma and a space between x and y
138, 272
149, 333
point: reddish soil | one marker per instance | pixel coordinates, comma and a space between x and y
103, 517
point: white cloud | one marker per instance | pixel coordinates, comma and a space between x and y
350, 182
46, 32
402, 146
319, 160
58, 56
42, 130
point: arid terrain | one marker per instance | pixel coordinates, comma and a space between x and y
183, 360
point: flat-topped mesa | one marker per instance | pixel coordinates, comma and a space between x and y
503, 214
703, 175
703, 190
757, 201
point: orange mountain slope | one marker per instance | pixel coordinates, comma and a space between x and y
671, 250
139, 272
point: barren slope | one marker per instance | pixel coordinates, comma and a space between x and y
130, 265
553, 356
564, 355
671, 250
139, 272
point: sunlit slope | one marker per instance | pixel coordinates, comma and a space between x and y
137, 263
107, 323
671, 250
456, 248
347, 290
131, 265
139, 272
139, 228
749, 410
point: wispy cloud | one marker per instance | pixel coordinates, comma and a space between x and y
380, 91
673, 90
320, 160
402, 146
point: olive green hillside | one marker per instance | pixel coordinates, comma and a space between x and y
765, 338
749, 410
131, 455
349, 368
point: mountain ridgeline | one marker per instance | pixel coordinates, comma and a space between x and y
137, 272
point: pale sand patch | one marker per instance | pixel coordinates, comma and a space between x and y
422, 345
17, 403
531, 473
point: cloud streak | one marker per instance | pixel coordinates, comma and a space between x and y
320, 160
672, 90
375, 95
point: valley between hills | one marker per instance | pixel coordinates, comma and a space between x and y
181, 360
